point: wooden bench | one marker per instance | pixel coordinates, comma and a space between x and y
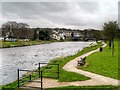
81, 62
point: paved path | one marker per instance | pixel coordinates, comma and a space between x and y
71, 66
95, 78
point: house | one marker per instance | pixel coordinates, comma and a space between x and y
57, 35
1, 38
62, 34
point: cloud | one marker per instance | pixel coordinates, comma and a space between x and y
79, 15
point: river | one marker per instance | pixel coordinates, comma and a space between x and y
28, 57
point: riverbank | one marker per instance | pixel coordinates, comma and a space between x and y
7, 44
102, 87
65, 76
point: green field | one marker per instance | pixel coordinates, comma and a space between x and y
103, 63
65, 76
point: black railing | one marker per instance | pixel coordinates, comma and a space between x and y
28, 78
21, 81
58, 70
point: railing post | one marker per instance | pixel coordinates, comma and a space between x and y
58, 71
39, 70
41, 81
30, 78
18, 78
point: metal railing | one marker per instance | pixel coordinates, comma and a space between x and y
28, 78
58, 70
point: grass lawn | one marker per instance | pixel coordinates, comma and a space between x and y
65, 76
103, 87
103, 63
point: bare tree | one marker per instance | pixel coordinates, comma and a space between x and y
17, 30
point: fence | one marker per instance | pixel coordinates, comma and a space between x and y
58, 70
28, 78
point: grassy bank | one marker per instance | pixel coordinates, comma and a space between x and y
103, 63
103, 87
7, 44
65, 76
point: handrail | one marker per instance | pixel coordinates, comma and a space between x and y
40, 74
51, 64
30, 77
28, 70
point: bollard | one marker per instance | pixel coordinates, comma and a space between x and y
30, 78
101, 49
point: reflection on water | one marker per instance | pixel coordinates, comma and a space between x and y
29, 57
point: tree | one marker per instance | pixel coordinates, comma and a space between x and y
41, 35
85, 33
97, 35
16, 30
35, 34
110, 31
46, 35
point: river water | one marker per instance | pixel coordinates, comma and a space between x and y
28, 57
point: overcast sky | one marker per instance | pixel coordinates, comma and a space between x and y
76, 15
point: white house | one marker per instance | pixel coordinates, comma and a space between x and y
1, 38
58, 35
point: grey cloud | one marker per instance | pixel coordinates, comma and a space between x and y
90, 7
35, 10
33, 7
47, 14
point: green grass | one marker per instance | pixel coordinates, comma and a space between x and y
65, 76
7, 44
103, 63
103, 87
